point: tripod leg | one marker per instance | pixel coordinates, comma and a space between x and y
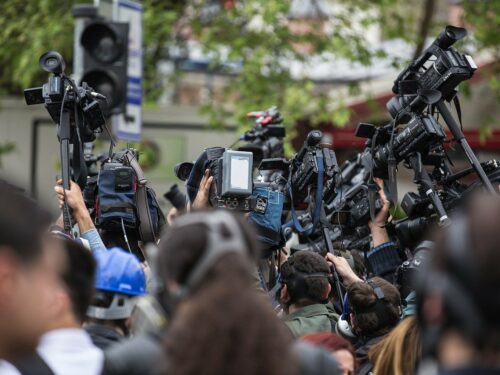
423, 179
460, 137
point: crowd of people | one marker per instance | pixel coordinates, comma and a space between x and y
198, 302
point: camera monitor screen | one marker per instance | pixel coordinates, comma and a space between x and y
239, 172
237, 175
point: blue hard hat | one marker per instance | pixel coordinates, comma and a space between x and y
119, 272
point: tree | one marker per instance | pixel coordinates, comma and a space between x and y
259, 34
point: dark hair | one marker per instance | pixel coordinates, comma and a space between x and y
373, 319
306, 291
78, 277
225, 325
22, 223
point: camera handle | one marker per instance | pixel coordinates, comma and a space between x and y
64, 134
460, 138
329, 247
424, 181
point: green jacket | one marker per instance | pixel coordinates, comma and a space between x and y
313, 318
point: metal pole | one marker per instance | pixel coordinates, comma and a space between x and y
460, 137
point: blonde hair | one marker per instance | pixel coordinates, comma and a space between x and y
399, 353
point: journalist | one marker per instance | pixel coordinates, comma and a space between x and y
65, 348
305, 279
459, 295
211, 276
119, 281
375, 309
28, 276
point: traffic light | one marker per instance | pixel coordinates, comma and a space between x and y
105, 46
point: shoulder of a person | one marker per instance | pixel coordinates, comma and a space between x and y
314, 360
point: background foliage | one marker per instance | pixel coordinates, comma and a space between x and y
29, 28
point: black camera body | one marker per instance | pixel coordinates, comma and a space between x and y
440, 67
422, 134
304, 168
265, 139
61, 91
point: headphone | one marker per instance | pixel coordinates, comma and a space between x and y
218, 244
296, 282
344, 327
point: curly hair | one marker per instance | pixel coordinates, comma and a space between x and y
225, 326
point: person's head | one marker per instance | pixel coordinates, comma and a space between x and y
399, 353
305, 278
375, 307
119, 281
459, 299
207, 261
76, 284
340, 348
28, 277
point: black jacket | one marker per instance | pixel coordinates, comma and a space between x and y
103, 336
362, 347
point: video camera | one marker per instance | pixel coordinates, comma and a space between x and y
440, 67
233, 183
265, 139
78, 115
306, 166
62, 93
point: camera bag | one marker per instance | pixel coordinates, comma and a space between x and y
125, 200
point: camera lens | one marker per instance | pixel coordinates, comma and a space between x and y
51, 62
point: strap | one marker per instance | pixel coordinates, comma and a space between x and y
32, 365
146, 229
456, 101
318, 202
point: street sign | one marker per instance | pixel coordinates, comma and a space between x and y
128, 126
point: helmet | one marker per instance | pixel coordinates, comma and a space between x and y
119, 280
119, 272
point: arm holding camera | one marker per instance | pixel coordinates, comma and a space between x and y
383, 256
377, 229
81, 215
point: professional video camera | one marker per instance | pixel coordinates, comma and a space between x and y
63, 97
233, 183
78, 114
415, 138
310, 167
266, 137
440, 67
